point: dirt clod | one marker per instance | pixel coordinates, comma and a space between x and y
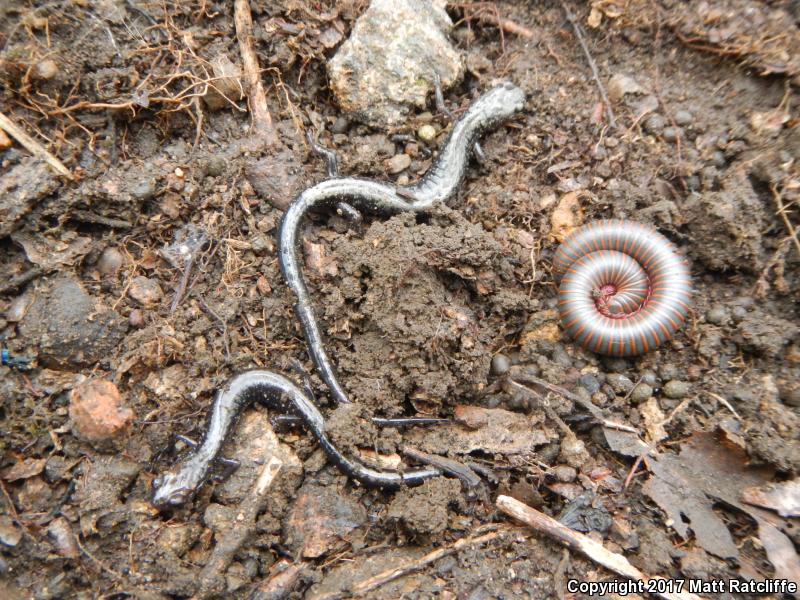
97, 412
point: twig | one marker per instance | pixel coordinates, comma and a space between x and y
283, 577
517, 374
85, 216
448, 465
223, 325
32, 146
634, 468
493, 18
782, 211
612, 121
181, 289
577, 541
262, 120
415, 565
234, 538
725, 403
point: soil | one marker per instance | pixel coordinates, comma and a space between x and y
414, 307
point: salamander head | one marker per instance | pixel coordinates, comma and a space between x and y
502, 101
174, 489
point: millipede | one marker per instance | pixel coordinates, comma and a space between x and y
624, 288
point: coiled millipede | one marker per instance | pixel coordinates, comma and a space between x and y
624, 288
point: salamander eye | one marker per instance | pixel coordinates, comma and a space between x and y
158, 482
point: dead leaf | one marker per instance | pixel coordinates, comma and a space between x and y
783, 498
780, 551
24, 469
689, 484
566, 216
770, 122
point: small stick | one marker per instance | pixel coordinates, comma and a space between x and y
32, 146
612, 121
577, 541
390, 575
782, 211
725, 403
262, 120
517, 374
448, 465
234, 538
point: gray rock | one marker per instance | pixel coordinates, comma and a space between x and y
717, 315
683, 118
641, 393
500, 364
399, 162
387, 64
676, 389
340, 125
10, 534
589, 382
670, 134
110, 261
68, 327
619, 383
654, 124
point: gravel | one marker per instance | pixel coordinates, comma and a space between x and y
677, 389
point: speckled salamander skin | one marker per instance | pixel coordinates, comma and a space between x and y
177, 486
624, 289
439, 183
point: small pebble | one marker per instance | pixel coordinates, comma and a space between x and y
649, 377
667, 371
718, 159
599, 153
46, 69
136, 318
10, 534
144, 189
641, 393
676, 389
693, 183
790, 395
670, 134
18, 308
589, 382
619, 383
738, 313
145, 291
215, 166
340, 125
654, 124
500, 364
110, 261
427, 133
564, 473
261, 244
399, 162
717, 315
683, 118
